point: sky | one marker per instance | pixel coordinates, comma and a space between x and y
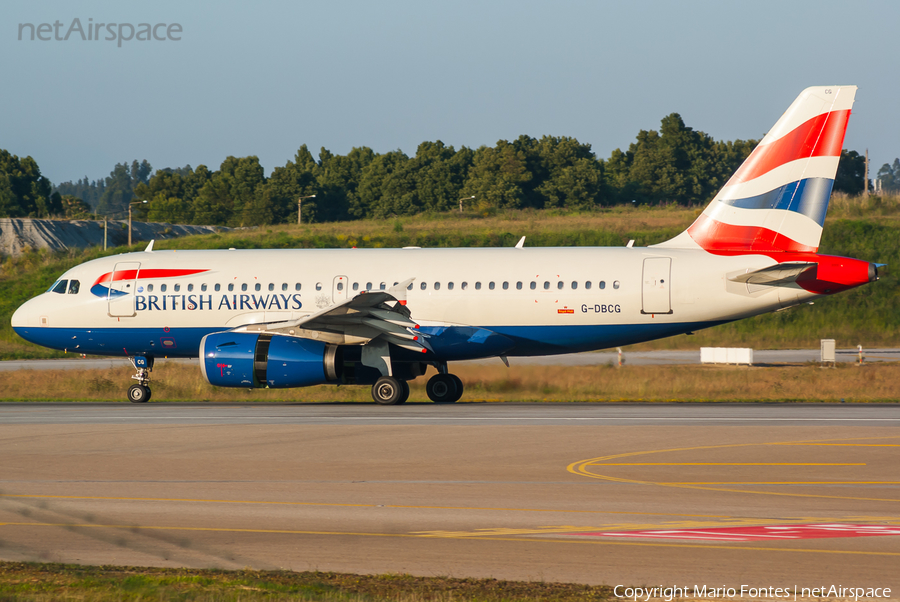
265, 77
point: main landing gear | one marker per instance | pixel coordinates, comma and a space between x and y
444, 388
390, 391
140, 393
441, 388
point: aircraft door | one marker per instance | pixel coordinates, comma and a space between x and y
339, 289
655, 295
122, 289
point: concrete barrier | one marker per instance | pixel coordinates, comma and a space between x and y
726, 355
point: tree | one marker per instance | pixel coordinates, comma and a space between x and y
181, 183
889, 177
118, 193
74, 207
850, 173
499, 176
380, 191
24, 192
287, 184
214, 205
230, 195
675, 164
89, 191
569, 174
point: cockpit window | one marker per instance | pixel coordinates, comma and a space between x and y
60, 287
74, 285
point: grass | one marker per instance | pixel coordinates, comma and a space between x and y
866, 228
876, 382
33, 582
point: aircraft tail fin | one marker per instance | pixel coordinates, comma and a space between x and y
776, 201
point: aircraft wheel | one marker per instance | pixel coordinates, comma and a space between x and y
441, 388
405, 394
138, 394
459, 386
387, 391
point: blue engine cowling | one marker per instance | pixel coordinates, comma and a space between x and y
240, 359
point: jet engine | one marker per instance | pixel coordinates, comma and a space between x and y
247, 360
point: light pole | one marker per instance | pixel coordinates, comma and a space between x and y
300, 207
468, 198
129, 218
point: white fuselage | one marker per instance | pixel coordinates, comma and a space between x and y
550, 300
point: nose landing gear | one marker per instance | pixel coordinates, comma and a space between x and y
140, 393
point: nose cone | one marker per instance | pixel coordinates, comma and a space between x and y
20, 316
26, 320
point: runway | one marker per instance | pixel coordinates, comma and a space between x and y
686, 494
632, 358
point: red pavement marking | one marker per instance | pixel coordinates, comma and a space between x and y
769, 532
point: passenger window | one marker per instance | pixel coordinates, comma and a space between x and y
587, 285
546, 285
257, 287
284, 286
297, 286
437, 286
574, 285
217, 287
533, 285
162, 288
368, 286
616, 284
559, 285
491, 285
74, 285
203, 287
230, 286
318, 286
409, 286
449, 286
190, 287
506, 286
356, 286
602, 284
340, 286
244, 286
149, 288
382, 286
423, 286
177, 288
271, 286
518, 285
477, 286
464, 285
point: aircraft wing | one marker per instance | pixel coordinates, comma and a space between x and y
355, 321
782, 273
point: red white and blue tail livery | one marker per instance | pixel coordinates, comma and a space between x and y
382, 317
777, 200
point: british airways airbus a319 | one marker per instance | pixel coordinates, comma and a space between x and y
380, 317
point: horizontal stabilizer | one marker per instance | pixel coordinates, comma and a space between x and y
782, 273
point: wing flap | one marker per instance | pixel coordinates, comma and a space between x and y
356, 321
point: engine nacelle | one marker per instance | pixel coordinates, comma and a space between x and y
246, 360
